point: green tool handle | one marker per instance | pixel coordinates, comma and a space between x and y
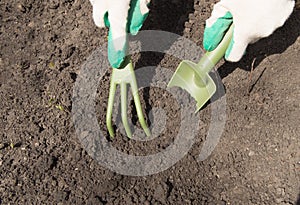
211, 58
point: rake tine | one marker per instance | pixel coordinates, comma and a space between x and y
138, 107
112, 91
123, 87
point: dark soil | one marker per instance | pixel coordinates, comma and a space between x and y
43, 46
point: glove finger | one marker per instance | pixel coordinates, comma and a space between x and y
237, 46
99, 11
117, 38
216, 27
137, 14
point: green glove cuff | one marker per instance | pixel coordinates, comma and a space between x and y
214, 34
116, 57
134, 24
135, 17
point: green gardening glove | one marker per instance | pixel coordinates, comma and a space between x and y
252, 19
121, 17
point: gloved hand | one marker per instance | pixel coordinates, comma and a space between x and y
122, 17
252, 19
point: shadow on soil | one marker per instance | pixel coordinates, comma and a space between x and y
169, 17
298, 201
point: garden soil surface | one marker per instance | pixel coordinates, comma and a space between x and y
42, 161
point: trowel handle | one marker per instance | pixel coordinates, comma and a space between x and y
211, 58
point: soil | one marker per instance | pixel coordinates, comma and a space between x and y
43, 46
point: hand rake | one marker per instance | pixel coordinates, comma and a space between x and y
124, 76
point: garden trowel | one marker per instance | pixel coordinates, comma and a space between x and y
195, 79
